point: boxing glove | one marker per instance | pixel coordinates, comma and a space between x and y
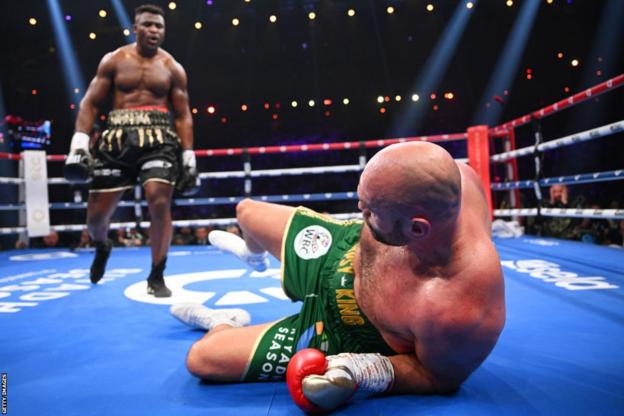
320, 384
188, 182
79, 163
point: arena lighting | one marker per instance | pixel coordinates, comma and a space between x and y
311, 15
410, 117
102, 13
211, 109
123, 19
71, 70
507, 64
345, 101
350, 12
244, 107
32, 21
311, 103
390, 10
272, 18
293, 104
198, 25
415, 97
92, 36
235, 22
172, 5
430, 7
380, 99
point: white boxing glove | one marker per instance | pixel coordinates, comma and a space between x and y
79, 163
188, 159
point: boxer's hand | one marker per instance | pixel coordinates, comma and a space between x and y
319, 383
79, 163
188, 182
188, 160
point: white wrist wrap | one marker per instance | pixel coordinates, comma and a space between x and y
188, 158
79, 140
373, 373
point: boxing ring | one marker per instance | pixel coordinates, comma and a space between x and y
72, 348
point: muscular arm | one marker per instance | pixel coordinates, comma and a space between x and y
444, 358
180, 103
96, 94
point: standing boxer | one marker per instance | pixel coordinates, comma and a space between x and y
140, 142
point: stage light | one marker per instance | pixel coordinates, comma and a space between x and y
390, 10
311, 103
311, 15
430, 7
68, 18
211, 109
469, 5
102, 13
172, 5
194, 110
449, 95
574, 62
33, 92
560, 55
278, 105
76, 90
386, 98
350, 12
327, 113
247, 1
566, 89
433, 96
435, 107
244, 107
272, 18
529, 76
72, 106
380, 99
92, 36
198, 25
327, 101
32, 21
599, 73
397, 98
509, 3
345, 101
549, 1
415, 97
274, 116
223, 120
123, 19
266, 106
294, 104
235, 22
382, 110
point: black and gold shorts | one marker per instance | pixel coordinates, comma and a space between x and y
137, 144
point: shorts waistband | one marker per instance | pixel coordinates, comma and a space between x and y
138, 118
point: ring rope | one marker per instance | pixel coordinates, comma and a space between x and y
611, 175
578, 98
562, 212
591, 134
146, 224
226, 200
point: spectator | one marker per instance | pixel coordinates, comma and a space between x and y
559, 227
183, 237
85, 240
201, 236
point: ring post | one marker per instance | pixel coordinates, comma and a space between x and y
479, 158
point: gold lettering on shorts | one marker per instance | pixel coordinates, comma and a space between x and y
349, 310
118, 134
150, 136
346, 263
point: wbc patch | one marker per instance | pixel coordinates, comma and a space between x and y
312, 242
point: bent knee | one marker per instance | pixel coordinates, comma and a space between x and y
203, 361
244, 208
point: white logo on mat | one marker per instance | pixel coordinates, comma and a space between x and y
53, 255
312, 242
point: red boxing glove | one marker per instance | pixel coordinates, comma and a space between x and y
304, 363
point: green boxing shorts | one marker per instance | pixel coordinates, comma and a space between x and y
317, 269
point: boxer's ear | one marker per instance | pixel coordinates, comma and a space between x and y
420, 227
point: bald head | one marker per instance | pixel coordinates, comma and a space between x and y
415, 179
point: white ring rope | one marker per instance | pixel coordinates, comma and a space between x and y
612, 175
616, 214
591, 134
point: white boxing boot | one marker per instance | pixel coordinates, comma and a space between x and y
199, 316
234, 244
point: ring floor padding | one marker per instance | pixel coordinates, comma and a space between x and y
70, 348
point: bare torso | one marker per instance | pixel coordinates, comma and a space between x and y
141, 81
406, 302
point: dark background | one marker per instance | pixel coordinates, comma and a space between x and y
332, 57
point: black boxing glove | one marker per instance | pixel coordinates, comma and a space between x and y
188, 182
79, 163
